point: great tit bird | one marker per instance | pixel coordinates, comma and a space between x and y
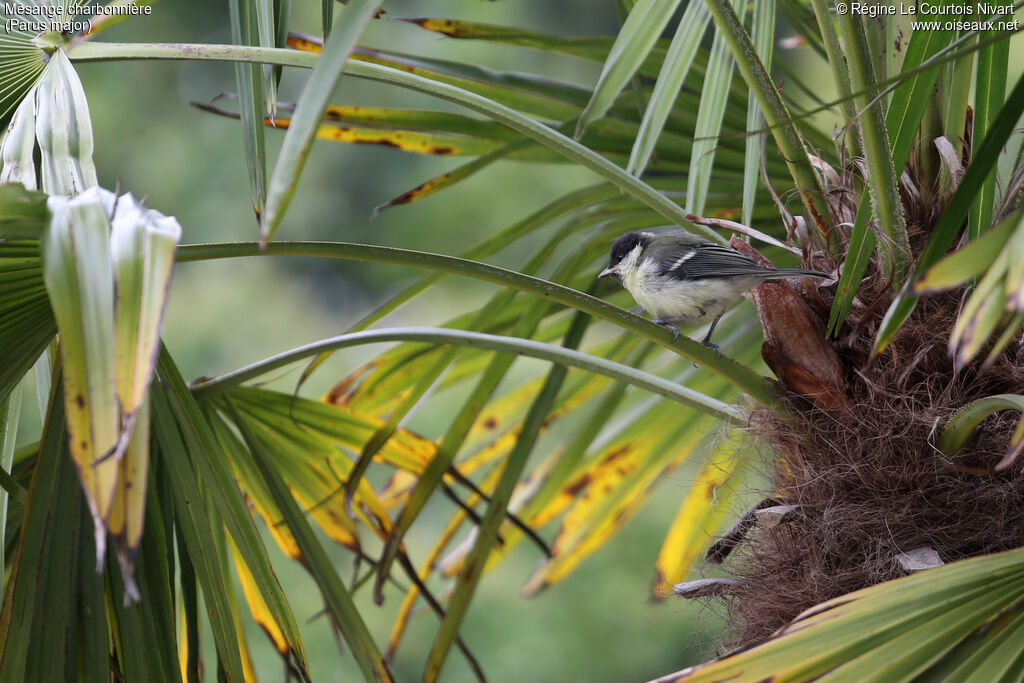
682, 279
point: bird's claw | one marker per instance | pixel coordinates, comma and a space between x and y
669, 326
714, 347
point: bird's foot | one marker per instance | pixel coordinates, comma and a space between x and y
706, 341
667, 324
713, 347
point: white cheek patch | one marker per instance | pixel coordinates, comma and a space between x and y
628, 262
633, 274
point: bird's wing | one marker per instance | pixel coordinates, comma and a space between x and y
707, 260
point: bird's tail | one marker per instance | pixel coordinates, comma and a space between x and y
798, 272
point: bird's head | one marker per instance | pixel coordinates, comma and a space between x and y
625, 254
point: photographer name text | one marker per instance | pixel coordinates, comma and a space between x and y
927, 9
980, 17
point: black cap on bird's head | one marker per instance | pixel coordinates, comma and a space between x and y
622, 248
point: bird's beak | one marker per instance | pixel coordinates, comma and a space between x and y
607, 272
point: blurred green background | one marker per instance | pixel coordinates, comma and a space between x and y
597, 626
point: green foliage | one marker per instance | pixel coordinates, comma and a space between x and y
179, 475
941, 624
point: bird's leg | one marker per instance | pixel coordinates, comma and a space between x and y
667, 323
706, 341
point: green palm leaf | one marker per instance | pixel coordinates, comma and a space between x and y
901, 630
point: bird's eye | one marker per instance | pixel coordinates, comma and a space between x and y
623, 246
